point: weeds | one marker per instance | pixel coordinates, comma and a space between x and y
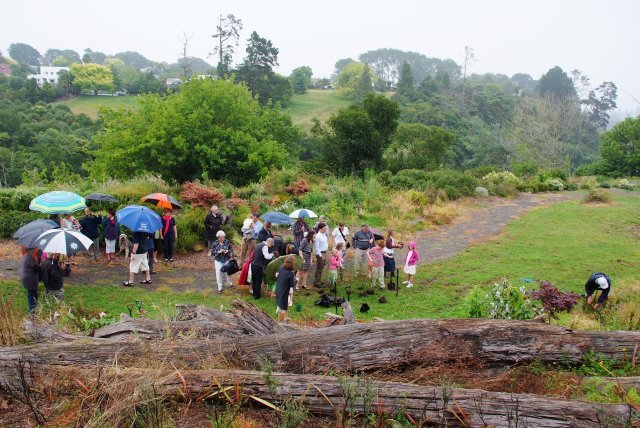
11, 321
598, 196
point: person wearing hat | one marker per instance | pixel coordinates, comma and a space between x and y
598, 281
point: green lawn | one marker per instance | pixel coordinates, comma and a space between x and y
89, 105
563, 243
315, 103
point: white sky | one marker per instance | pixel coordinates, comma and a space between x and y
599, 37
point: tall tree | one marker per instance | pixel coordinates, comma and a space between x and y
556, 83
68, 56
599, 103
184, 61
25, 54
227, 38
620, 148
406, 86
342, 63
416, 146
92, 77
301, 79
364, 86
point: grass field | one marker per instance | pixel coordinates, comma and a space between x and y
315, 103
563, 243
89, 105
303, 108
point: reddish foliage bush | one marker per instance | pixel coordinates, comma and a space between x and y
554, 300
298, 188
199, 196
234, 202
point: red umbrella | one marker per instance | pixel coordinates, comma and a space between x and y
162, 200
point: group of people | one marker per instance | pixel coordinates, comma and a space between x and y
313, 245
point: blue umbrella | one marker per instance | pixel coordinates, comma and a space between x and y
304, 213
276, 218
139, 219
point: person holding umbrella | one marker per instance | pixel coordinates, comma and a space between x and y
300, 228
53, 276
89, 227
169, 234
30, 276
139, 259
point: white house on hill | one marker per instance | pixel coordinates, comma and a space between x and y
47, 74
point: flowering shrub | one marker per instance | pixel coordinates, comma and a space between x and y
501, 183
554, 300
554, 184
199, 196
624, 184
504, 301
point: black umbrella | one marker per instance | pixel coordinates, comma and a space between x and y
376, 235
63, 241
100, 197
28, 233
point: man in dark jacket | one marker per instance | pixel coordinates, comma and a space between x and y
212, 225
89, 227
598, 281
53, 277
30, 276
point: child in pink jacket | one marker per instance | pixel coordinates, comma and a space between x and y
410, 262
335, 263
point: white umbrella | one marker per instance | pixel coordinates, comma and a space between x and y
303, 213
63, 241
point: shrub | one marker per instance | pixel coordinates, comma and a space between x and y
553, 173
598, 195
385, 177
589, 169
130, 191
298, 188
502, 184
481, 191
524, 169
22, 198
199, 196
503, 301
605, 185
409, 179
554, 184
190, 225
6, 197
10, 221
417, 198
624, 184
554, 300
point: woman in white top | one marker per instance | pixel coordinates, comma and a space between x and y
388, 253
69, 222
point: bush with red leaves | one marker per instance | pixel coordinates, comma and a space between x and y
298, 188
200, 196
554, 300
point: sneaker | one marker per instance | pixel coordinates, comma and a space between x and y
170, 260
409, 285
405, 282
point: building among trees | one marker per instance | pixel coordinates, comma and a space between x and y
47, 74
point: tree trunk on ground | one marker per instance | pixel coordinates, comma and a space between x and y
348, 348
349, 397
245, 319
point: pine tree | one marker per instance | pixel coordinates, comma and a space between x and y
364, 87
405, 82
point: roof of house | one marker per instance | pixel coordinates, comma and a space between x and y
5, 69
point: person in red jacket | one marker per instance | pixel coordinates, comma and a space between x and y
410, 262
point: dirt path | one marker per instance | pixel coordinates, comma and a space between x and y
484, 220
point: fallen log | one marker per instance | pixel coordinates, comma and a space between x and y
244, 319
359, 397
358, 347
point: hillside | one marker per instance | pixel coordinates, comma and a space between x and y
303, 108
315, 103
90, 105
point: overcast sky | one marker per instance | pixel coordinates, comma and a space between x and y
599, 37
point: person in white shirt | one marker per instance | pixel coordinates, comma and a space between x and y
320, 248
339, 235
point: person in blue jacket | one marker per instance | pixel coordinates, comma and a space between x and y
598, 281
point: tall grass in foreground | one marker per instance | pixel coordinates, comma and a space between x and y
11, 320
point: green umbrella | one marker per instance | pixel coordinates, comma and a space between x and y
274, 266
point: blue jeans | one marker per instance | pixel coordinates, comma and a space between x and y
32, 299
